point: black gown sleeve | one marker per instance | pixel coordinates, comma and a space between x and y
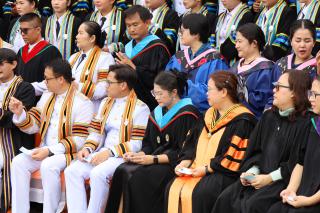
280, 46
295, 155
187, 122
316, 47
148, 65
76, 24
26, 94
146, 143
228, 47
188, 151
170, 30
233, 144
254, 149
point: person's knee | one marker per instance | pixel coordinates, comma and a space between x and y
96, 174
72, 172
17, 162
48, 168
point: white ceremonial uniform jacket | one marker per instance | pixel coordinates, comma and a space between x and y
61, 120
119, 125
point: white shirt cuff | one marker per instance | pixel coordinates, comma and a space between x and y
254, 170
19, 119
276, 175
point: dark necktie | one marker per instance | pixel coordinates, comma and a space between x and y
81, 59
103, 19
57, 29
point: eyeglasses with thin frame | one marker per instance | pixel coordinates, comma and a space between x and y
156, 94
313, 94
113, 82
26, 30
277, 86
48, 79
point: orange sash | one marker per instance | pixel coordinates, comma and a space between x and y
181, 189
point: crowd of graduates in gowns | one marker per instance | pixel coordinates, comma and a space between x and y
279, 142
273, 145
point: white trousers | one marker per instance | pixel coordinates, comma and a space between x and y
100, 177
22, 168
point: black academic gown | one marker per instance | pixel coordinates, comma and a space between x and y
316, 47
309, 158
274, 143
227, 48
149, 62
210, 186
279, 49
170, 21
122, 37
143, 186
26, 94
3, 29
75, 25
33, 69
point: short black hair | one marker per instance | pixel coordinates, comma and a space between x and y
9, 56
31, 17
143, 12
93, 28
172, 79
124, 73
61, 67
198, 25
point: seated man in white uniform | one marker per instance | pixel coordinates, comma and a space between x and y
118, 128
61, 117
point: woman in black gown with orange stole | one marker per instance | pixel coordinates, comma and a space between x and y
214, 150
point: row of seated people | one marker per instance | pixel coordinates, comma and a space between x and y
201, 65
173, 159
274, 18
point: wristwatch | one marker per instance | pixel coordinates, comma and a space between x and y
155, 159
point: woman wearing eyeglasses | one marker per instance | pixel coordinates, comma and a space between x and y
254, 70
142, 180
302, 194
14, 34
303, 38
273, 149
213, 152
